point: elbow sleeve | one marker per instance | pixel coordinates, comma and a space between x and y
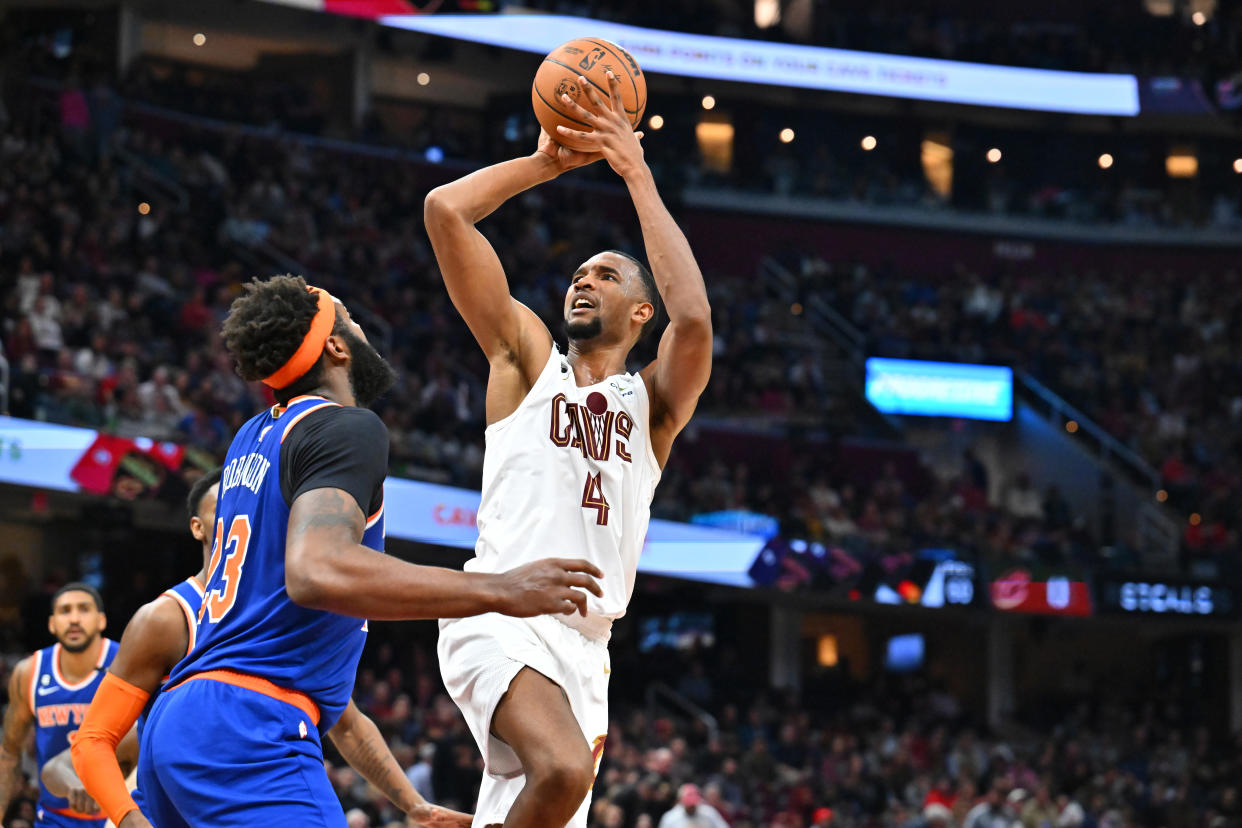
113, 711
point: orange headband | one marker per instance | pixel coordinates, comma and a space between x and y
312, 345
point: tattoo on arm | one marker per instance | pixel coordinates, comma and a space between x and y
329, 509
10, 778
381, 769
367, 753
17, 722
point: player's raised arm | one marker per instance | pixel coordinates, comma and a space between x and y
684, 361
472, 272
18, 719
363, 747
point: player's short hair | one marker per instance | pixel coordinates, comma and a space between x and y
267, 324
78, 586
653, 294
201, 486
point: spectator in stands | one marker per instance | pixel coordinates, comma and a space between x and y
692, 812
1022, 499
1040, 811
990, 811
420, 773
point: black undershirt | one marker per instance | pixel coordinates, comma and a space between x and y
337, 447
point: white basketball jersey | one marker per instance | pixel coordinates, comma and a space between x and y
571, 474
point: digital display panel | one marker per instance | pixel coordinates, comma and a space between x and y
905, 653
777, 64
1167, 598
1018, 590
940, 389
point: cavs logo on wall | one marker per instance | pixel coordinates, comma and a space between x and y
592, 57
568, 87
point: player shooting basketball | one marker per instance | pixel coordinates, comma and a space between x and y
575, 447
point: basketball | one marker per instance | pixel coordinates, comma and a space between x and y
591, 57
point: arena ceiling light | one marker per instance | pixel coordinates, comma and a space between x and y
1181, 164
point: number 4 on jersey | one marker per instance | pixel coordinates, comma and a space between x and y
593, 498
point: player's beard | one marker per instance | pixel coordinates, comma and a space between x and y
369, 374
86, 644
584, 330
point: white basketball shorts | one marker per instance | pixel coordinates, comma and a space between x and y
480, 656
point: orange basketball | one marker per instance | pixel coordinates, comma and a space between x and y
591, 57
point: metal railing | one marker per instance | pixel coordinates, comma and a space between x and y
1159, 533
150, 180
659, 690
4, 383
822, 316
1109, 447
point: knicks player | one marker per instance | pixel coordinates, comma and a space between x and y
160, 635
575, 447
296, 565
51, 690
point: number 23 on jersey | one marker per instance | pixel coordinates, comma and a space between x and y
234, 547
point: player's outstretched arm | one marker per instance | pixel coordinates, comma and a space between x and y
18, 720
60, 778
106, 747
684, 361
471, 270
328, 568
363, 747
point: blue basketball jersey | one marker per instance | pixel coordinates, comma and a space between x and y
247, 623
188, 596
58, 708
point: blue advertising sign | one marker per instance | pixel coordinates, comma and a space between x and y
940, 389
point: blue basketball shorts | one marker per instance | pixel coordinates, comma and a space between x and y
214, 754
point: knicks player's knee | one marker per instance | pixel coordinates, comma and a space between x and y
567, 774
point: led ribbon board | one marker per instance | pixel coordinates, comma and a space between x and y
445, 515
61, 458
808, 67
940, 389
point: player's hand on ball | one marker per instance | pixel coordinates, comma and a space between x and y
135, 819
564, 158
611, 133
552, 586
433, 816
